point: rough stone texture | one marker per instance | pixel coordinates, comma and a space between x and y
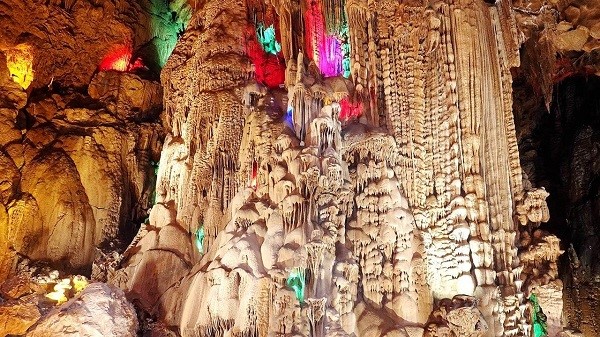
52, 179
557, 140
387, 216
74, 164
99, 310
419, 200
70, 38
16, 317
126, 94
559, 151
157, 260
11, 95
61, 30
16, 287
573, 39
459, 316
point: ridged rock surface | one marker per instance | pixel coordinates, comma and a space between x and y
419, 200
76, 163
99, 310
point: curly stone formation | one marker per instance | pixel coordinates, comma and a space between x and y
257, 168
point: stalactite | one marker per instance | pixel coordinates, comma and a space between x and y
314, 30
304, 200
316, 313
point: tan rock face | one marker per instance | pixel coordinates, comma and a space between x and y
11, 95
52, 180
79, 33
87, 165
16, 287
573, 39
99, 310
126, 94
10, 179
275, 215
154, 263
16, 317
303, 224
458, 317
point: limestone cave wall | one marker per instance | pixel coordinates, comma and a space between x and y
299, 167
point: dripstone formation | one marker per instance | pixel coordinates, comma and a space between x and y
384, 214
302, 168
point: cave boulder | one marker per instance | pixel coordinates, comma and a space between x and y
99, 310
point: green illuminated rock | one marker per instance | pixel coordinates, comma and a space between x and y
540, 328
297, 281
199, 239
168, 20
268, 39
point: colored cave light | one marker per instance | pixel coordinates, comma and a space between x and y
331, 57
314, 30
254, 174
65, 288
346, 65
19, 61
350, 110
59, 293
268, 39
289, 117
269, 69
538, 318
326, 42
168, 21
297, 282
79, 283
336, 24
119, 59
345, 32
199, 236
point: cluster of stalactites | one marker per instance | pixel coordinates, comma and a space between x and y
263, 44
307, 183
416, 64
328, 102
326, 37
317, 29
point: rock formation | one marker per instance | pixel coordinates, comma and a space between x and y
301, 168
78, 170
99, 310
417, 198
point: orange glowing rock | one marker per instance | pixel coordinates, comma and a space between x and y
19, 61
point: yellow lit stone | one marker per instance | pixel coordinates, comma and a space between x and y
58, 294
79, 283
19, 61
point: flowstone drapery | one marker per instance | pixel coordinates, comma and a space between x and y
402, 217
